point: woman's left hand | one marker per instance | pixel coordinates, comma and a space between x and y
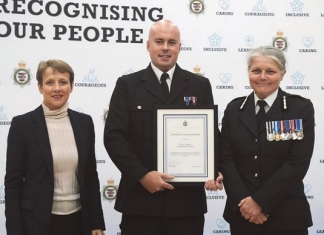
249, 208
213, 185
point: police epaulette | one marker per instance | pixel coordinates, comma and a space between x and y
238, 98
285, 100
245, 99
297, 96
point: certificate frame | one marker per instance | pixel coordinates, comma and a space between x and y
186, 142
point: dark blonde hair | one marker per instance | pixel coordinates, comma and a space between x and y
56, 65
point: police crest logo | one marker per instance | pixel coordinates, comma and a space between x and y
197, 70
197, 6
105, 115
280, 42
22, 75
110, 191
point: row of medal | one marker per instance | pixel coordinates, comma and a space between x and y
285, 130
188, 99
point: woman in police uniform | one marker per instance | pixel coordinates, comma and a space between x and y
264, 166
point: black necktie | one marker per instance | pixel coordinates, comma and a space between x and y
164, 85
261, 113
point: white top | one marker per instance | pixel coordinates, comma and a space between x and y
66, 198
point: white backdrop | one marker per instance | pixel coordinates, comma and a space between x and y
104, 39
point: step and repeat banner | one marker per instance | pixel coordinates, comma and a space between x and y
104, 39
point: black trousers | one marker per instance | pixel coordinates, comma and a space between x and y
66, 224
237, 231
146, 225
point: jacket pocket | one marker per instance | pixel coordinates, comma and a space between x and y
141, 120
27, 204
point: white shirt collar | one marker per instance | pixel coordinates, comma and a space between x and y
269, 99
158, 72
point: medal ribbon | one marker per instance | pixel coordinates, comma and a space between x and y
287, 126
277, 127
193, 99
301, 124
297, 124
268, 127
282, 127
186, 99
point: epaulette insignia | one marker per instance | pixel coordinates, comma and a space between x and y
242, 106
284, 103
297, 96
238, 98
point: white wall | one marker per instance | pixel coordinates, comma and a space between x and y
214, 41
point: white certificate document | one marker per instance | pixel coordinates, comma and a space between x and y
185, 144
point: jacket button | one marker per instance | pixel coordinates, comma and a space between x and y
256, 140
139, 107
255, 157
256, 175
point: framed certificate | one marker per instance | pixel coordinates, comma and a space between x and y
186, 142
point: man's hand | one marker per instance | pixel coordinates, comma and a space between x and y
153, 181
213, 185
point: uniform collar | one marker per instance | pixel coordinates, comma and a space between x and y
158, 72
269, 99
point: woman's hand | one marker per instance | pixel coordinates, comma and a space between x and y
213, 185
97, 232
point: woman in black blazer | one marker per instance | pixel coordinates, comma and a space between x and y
264, 165
51, 182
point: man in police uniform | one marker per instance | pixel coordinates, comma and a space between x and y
149, 204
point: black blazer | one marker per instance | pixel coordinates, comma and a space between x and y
29, 180
269, 171
128, 138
